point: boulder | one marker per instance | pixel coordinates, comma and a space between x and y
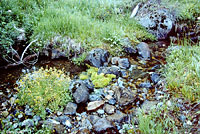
97, 57
110, 70
79, 91
156, 19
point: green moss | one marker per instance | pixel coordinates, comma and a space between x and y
99, 80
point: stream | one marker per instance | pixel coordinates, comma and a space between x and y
118, 108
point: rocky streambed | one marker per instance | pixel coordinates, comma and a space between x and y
111, 109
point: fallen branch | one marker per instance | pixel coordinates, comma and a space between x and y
22, 60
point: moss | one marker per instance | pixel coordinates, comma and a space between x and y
99, 80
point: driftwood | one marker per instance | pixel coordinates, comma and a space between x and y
16, 59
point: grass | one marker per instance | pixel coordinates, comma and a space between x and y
90, 22
182, 71
156, 121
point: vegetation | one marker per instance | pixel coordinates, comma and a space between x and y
182, 71
99, 80
45, 88
156, 121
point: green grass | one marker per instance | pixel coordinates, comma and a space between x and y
182, 71
90, 22
156, 121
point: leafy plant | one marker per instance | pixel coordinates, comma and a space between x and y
44, 88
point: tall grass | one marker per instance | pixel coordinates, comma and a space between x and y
89, 21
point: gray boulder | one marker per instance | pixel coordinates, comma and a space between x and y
79, 91
97, 57
156, 19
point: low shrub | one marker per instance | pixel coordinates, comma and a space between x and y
44, 88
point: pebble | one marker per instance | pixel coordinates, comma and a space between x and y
100, 111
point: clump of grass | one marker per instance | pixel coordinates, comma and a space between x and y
44, 88
156, 121
182, 71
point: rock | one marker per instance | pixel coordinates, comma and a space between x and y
143, 51
56, 54
155, 78
85, 124
117, 117
112, 101
109, 109
28, 111
147, 106
94, 97
124, 96
92, 106
70, 109
63, 120
89, 85
124, 74
127, 46
124, 63
28, 123
79, 91
182, 118
100, 111
93, 118
145, 85
115, 60
110, 70
157, 20
97, 57
102, 125
51, 121
36, 118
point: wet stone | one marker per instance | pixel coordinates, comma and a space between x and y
124, 63
70, 109
112, 101
124, 74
